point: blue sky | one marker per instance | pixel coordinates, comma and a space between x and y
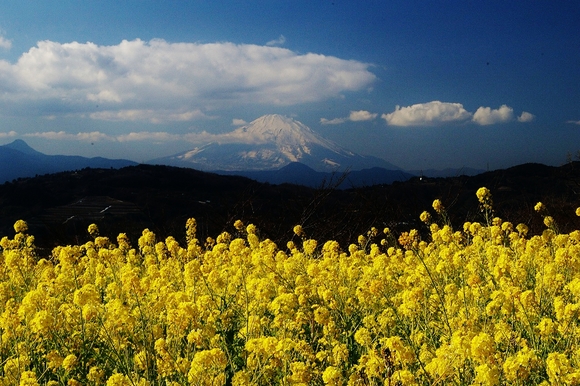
422, 84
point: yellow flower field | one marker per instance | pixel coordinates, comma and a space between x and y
483, 305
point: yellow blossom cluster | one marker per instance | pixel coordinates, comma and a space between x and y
483, 305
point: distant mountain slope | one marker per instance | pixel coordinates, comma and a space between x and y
270, 143
18, 160
21, 146
300, 174
449, 172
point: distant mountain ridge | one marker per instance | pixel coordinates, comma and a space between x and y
22, 147
18, 160
448, 172
300, 174
270, 143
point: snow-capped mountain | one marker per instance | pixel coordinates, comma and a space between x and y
269, 143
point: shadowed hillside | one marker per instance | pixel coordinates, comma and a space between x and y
59, 207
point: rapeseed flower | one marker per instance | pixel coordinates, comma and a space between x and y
119, 380
438, 206
28, 378
93, 230
486, 305
332, 376
483, 195
298, 231
486, 375
20, 226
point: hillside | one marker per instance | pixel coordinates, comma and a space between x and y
59, 207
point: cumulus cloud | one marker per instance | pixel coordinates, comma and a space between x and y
236, 136
361, 115
488, 116
5, 43
97, 136
153, 116
427, 114
238, 122
7, 134
436, 113
334, 121
141, 136
526, 117
161, 81
93, 136
354, 116
277, 42
156, 136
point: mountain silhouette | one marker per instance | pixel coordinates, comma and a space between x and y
18, 160
22, 147
301, 174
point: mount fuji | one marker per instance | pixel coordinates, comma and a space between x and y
272, 142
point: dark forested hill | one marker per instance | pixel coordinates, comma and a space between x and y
59, 207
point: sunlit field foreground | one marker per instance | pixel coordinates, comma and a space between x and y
482, 305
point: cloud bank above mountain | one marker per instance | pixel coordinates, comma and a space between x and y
354, 116
427, 114
158, 81
437, 113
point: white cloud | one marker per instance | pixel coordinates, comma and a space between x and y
574, 122
140, 136
158, 136
335, 121
161, 81
5, 43
487, 116
354, 116
238, 122
526, 117
153, 116
277, 42
97, 136
8, 134
361, 115
437, 113
205, 137
427, 114
104, 96
93, 136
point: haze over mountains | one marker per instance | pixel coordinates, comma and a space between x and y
273, 148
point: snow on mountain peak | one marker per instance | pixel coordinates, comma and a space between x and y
285, 132
271, 142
